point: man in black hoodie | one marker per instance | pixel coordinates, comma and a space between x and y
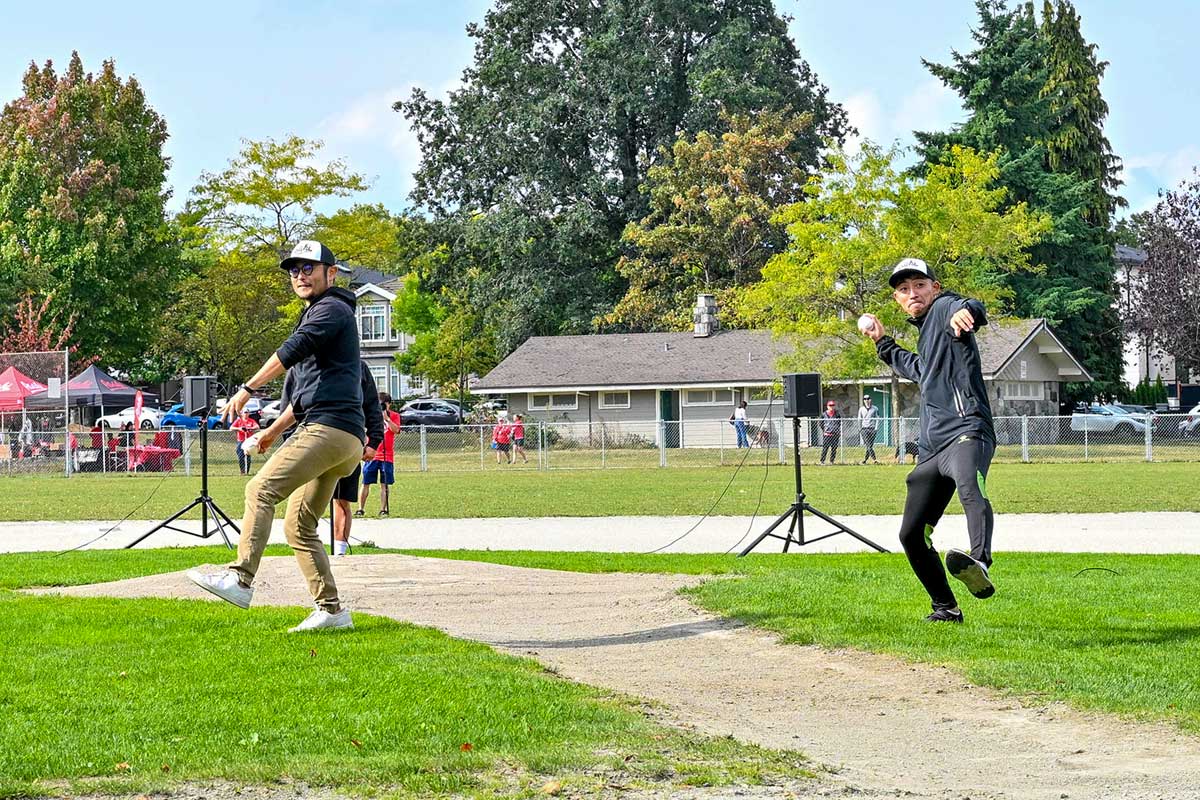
957, 438
322, 359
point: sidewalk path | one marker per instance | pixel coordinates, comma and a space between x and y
884, 727
1150, 532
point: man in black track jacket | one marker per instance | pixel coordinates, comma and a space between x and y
322, 360
957, 438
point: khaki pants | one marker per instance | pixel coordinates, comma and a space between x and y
305, 471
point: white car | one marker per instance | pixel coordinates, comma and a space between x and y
1190, 425
1109, 419
270, 412
147, 420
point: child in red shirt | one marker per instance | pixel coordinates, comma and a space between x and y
245, 427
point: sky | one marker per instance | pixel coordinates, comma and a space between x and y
220, 72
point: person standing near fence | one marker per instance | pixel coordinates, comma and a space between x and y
868, 423
245, 427
518, 439
957, 437
323, 355
831, 432
502, 439
739, 424
381, 468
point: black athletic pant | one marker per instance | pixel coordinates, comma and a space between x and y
829, 448
868, 440
962, 466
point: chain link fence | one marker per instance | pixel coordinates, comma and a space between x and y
562, 445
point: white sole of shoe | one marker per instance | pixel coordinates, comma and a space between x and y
198, 579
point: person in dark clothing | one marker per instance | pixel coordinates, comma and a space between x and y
347, 489
831, 432
956, 440
322, 358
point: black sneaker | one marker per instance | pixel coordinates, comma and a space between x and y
358, 512
945, 615
383, 512
973, 573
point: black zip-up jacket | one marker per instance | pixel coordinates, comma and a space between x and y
372, 410
322, 359
947, 369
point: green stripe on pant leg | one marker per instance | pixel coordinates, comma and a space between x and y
982, 481
929, 536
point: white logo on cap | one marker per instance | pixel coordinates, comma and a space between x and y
912, 263
307, 248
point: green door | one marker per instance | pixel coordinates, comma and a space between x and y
668, 412
881, 398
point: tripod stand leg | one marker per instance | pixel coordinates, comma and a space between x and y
791, 531
770, 531
166, 522
843, 528
217, 510
210, 509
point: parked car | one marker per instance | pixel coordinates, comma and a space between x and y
175, 418
430, 411
1190, 425
1110, 419
270, 412
148, 419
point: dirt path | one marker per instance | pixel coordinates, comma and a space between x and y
877, 723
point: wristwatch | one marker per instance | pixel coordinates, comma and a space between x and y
247, 388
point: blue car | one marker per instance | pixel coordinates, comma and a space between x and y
176, 418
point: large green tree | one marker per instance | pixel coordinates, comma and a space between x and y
82, 196
710, 225
236, 306
1032, 92
562, 114
859, 218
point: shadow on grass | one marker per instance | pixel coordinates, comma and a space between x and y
682, 630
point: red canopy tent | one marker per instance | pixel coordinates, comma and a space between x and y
15, 386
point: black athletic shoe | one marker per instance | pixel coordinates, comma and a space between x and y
945, 615
358, 512
383, 512
973, 573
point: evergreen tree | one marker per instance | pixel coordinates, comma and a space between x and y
1018, 88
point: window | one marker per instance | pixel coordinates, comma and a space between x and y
1022, 390
758, 394
614, 400
708, 397
553, 402
380, 376
373, 322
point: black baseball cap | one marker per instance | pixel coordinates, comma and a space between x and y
910, 268
306, 251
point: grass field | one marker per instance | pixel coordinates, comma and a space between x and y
134, 695
841, 490
1122, 636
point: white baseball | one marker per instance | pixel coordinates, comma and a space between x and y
865, 323
251, 443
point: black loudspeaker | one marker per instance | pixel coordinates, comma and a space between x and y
802, 394
199, 394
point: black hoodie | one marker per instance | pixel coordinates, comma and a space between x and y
954, 401
322, 360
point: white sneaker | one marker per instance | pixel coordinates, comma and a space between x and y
223, 584
320, 618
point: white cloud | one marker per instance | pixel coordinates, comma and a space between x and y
866, 115
929, 106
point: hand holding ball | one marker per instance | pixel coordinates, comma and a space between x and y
865, 323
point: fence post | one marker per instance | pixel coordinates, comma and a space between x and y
603, 445
1149, 438
779, 438
662, 442
1025, 439
541, 445
1085, 437
187, 450
67, 448
481, 437
721, 443
424, 452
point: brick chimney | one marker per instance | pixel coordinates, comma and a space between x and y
704, 316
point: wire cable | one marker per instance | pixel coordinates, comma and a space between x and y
761, 487
721, 496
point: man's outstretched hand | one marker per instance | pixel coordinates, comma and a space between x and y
962, 322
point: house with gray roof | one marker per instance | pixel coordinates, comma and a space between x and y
378, 341
704, 374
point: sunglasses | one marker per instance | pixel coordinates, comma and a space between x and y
304, 269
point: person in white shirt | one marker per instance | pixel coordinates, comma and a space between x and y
739, 425
868, 422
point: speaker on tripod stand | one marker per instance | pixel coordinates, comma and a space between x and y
199, 394
801, 399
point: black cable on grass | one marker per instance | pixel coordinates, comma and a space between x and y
139, 507
1098, 569
758, 505
721, 496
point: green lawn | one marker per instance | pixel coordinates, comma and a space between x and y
502, 492
1127, 642
128, 696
